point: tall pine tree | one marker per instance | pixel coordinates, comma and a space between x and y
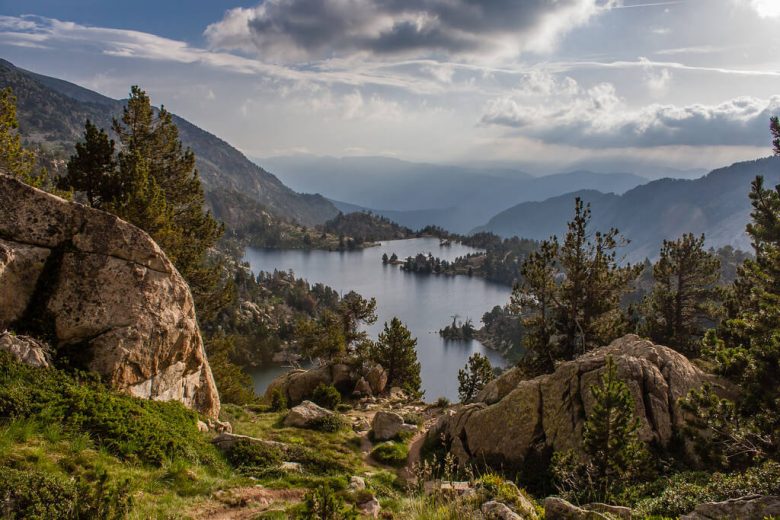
474, 376
395, 351
15, 159
684, 297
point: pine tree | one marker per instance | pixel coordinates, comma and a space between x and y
151, 148
395, 351
535, 299
610, 437
474, 376
14, 158
683, 300
570, 293
746, 346
92, 170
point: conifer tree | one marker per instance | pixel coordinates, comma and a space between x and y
570, 295
746, 347
610, 434
535, 299
92, 170
683, 300
395, 351
474, 376
14, 158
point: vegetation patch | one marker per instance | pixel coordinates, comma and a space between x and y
391, 453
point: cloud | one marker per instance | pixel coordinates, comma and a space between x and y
286, 31
598, 117
765, 8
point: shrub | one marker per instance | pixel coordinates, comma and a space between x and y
391, 453
343, 407
326, 396
413, 418
681, 493
278, 401
246, 454
36, 495
442, 402
329, 423
323, 503
130, 428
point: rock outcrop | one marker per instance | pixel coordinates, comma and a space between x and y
299, 385
547, 413
102, 292
388, 425
746, 508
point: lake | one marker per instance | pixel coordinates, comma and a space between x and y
425, 303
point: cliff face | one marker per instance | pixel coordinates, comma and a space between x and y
516, 420
104, 294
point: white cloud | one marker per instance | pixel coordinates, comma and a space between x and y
766, 8
598, 117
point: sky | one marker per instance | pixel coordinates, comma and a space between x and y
543, 85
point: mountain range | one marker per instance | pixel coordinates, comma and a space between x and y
52, 113
413, 194
716, 204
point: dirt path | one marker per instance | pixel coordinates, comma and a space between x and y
246, 503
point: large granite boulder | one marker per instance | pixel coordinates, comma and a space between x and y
388, 425
103, 291
547, 413
299, 385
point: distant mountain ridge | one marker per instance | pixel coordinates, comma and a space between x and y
716, 205
417, 194
52, 112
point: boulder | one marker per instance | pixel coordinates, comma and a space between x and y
548, 413
377, 378
299, 385
362, 388
745, 508
493, 510
556, 508
306, 415
386, 425
370, 508
357, 483
26, 349
225, 441
103, 290
618, 512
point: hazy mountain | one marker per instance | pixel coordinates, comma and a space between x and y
716, 205
417, 194
52, 114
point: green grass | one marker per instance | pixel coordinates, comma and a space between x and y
391, 453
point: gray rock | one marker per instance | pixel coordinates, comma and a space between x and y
306, 415
497, 511
225, 441
26, 349
745, 508
357, 483
362, 388
556, 508
370, 508
386, 425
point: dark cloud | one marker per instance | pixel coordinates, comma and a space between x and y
286, 30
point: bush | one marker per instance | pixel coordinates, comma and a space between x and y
413, 418
246, 454
326, 396
343, 407
323, 503
442, 402
329, 423
130, 428
391, 453
36, 495
278, 401
681, 493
